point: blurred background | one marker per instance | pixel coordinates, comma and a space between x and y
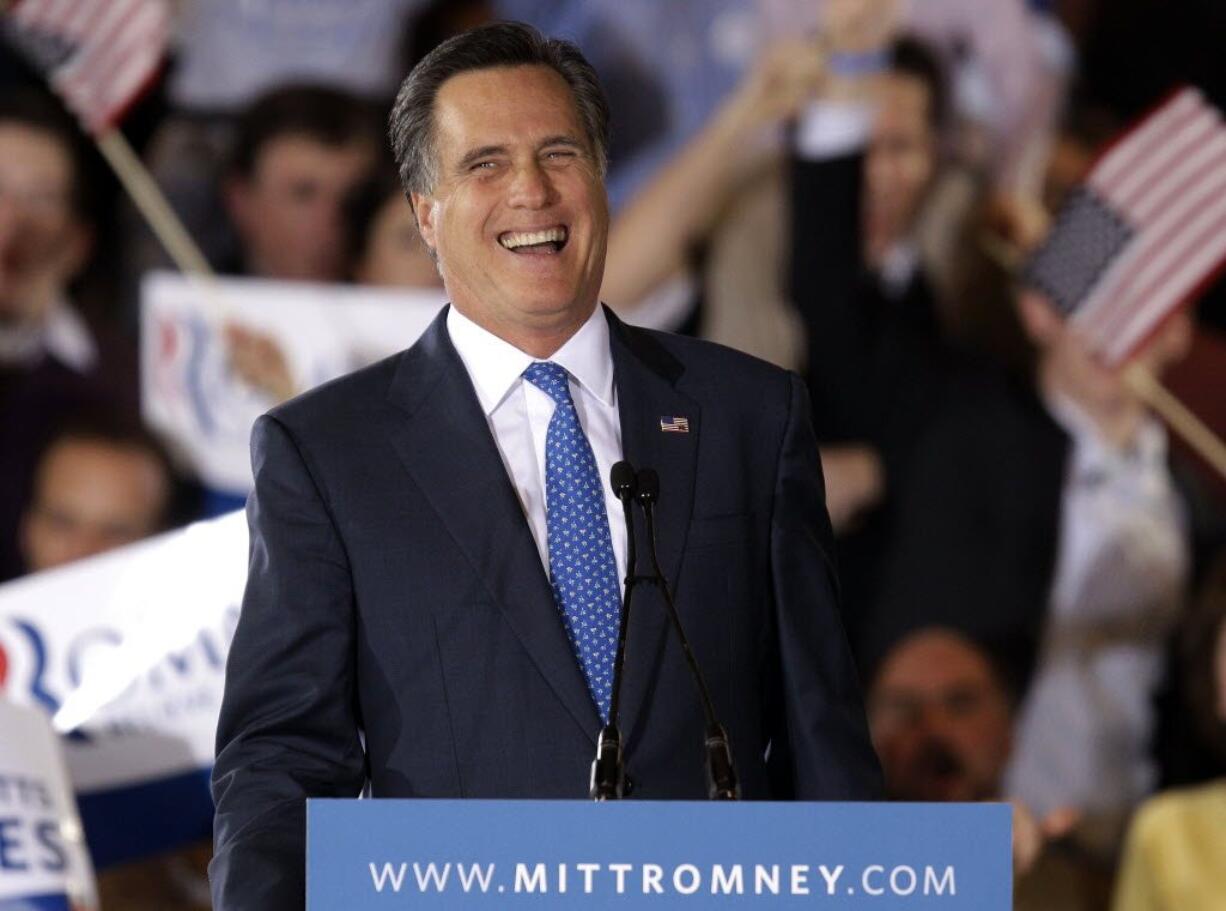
887, 197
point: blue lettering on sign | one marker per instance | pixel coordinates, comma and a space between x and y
10, 845
47, 833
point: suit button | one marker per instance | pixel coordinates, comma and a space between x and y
628, 787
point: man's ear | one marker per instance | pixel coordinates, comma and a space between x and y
423, 211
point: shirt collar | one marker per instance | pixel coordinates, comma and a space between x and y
495, 365
62, 334
1093, 452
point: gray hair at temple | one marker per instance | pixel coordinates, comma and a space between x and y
411, 125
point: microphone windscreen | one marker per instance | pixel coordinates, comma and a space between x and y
648, 485
622, 479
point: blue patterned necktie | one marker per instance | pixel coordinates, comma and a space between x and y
582, 567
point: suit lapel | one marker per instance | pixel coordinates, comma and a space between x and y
646, 375
445, 443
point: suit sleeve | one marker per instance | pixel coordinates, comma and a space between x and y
826, 753
289, 725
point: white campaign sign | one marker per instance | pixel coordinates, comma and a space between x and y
188, 390
126, 651
42, 850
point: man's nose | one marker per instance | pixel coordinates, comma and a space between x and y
531, 187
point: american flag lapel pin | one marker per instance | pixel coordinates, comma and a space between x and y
675, 424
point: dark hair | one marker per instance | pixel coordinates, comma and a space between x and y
323, 114
363, 204
912, 57
41, 111
411, 127
120, 431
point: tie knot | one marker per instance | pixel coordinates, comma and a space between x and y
552, 379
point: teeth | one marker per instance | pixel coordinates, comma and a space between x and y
514, 239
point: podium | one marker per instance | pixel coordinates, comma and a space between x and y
656, 854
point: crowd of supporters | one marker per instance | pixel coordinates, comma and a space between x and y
1032, 567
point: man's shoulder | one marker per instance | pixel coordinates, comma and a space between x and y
709, 365
347, 398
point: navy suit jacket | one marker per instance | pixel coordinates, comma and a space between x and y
398, 628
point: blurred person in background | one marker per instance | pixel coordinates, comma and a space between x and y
1175, 855
104, 481
385, 248
941, 710
299, 151
101, 483
52, 363
1050, 499
866, 155
663, 242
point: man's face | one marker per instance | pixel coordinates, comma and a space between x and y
42, 242
394, 254
900, 164
90, 497
519, 218
940, 721
288, 211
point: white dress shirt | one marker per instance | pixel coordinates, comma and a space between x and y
519, 413
61, 334
1084, 732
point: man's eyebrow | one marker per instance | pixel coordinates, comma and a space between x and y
477, 154
562, 140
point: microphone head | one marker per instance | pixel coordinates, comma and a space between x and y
648, 486
623, 480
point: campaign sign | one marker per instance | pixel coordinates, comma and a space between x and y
371, 854
43, 862
125, 654
190, 393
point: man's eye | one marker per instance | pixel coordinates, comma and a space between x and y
559, 154
483, 166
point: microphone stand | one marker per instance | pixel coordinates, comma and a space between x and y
608, 777
722, 782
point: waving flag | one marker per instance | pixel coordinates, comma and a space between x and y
1145, 232
99, 55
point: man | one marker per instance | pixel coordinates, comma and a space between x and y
941, 716
866, 157
298, 152
52, 364
941, 709
401, 629
99, 485
1052, 500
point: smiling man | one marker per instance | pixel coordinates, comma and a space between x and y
434, 589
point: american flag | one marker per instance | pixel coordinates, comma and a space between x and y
99, 55
675, 424
1145, 232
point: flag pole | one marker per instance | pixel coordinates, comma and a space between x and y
1177, 416
152, 204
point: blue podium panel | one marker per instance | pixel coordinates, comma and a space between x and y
627, 855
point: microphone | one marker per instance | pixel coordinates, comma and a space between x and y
608, 779
722, 782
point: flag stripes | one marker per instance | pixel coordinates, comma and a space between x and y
99, 55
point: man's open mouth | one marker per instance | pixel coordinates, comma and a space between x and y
547, 240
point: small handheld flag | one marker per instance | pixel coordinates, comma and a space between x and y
98, 55
1146, 230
